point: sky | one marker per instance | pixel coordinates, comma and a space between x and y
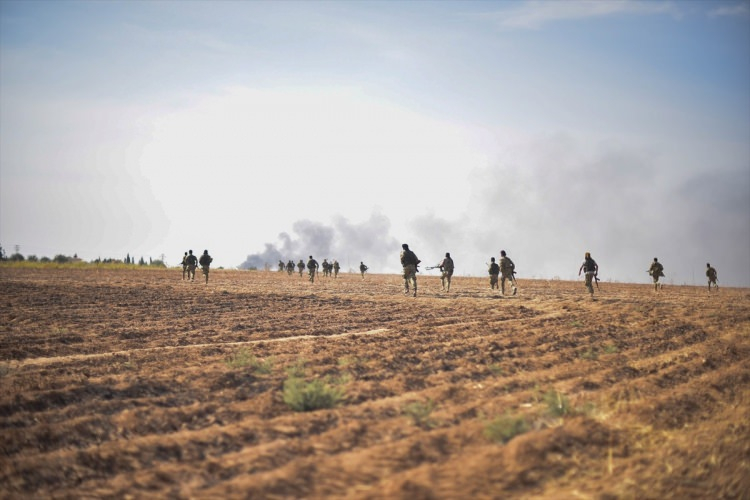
277, 130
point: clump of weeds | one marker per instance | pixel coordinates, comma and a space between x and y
421, 413
504, 428
317, 394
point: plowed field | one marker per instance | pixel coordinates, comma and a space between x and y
136, 384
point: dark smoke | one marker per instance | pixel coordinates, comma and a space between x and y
369, 241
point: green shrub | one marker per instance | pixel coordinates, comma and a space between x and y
504, 428
420, 413
239, 358
300, 395
242, 358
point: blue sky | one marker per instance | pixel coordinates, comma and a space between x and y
261, 130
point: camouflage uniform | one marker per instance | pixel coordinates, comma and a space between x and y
290, 267
362, 269
507, 269
312, 268
281, 266
446, 268
712, 277
300, 266
336, 268
184, 265
591, 269
494, 271
409, 262
655, 271
205, 262
192, 264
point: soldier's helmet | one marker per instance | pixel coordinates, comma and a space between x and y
447, 254
502, 253
708, 265
492, 259
405, 246
656, 260
190, 252
205, 252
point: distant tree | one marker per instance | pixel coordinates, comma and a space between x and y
141, 262
45, 259
157, 263
2, 253
16, 257
127, 259
61, 259
32, 258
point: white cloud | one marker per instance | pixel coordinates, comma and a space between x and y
737, 10
534, 14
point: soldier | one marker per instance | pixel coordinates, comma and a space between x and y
205, 262
446, 268
591, 270
410, 263
712, 278
184, 265
312, 268
336, 268
281, 266
290, 267
326, 271
507, 270
655, 271
494, 271
362, 269
300, 267
192, 263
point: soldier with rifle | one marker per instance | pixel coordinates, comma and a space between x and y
192, 264
656, 271
362, 269
446, 268
494, 271
281, 266
312, 268
591, 272
184, 265
300, 267
205, 262
712, 278
290, 267
336, 268
410, 263
507, 270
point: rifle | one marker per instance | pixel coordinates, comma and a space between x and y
596, 280
429, 268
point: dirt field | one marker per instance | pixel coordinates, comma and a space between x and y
135, 384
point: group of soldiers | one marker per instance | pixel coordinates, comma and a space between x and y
501, 271
331, 268
505, 270
190, 263
656, 271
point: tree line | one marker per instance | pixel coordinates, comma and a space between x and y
17, 256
